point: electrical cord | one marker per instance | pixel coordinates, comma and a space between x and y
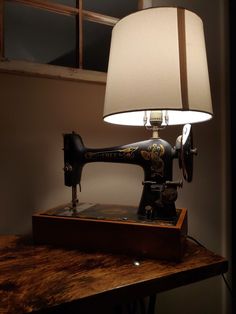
151, 305
227, 284
152, 298
139, 306
196, 241
223, 276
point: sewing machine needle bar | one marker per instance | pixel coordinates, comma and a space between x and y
74, 196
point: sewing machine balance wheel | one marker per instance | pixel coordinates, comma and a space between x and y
186, 153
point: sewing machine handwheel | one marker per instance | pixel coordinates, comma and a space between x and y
186, 153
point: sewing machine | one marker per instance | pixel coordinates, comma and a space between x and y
154, 229
155, 156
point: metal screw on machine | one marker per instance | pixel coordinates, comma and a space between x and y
68, 167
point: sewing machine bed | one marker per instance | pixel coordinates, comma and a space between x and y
111, 228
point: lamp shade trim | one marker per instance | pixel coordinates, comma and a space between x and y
182, 57
175, 117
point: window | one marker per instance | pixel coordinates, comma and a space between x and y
69, 33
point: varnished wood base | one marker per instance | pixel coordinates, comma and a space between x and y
111, 228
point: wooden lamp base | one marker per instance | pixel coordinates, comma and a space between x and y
111, 228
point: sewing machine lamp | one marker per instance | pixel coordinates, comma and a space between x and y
157, 77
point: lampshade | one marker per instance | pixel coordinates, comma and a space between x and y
158, 63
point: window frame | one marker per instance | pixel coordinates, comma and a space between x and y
57, 71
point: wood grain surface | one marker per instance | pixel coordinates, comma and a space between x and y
36, 278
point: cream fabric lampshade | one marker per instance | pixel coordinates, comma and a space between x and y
158, 62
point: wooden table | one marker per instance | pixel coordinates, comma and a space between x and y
52, 280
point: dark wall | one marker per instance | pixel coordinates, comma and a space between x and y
232, 24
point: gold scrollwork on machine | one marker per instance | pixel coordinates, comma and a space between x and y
154, 153
125, 153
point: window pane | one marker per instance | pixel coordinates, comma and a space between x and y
97, 38
38, 35
116, 8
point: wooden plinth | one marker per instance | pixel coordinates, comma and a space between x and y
111, 228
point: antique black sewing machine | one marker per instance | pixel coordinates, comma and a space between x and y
155, 156
154, 229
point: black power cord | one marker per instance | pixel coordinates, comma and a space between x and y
152, 304
223, 276
140, 307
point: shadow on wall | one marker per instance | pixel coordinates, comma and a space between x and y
35, 112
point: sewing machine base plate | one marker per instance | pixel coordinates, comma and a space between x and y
111, 228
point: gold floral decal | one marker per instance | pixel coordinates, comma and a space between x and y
153, 154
